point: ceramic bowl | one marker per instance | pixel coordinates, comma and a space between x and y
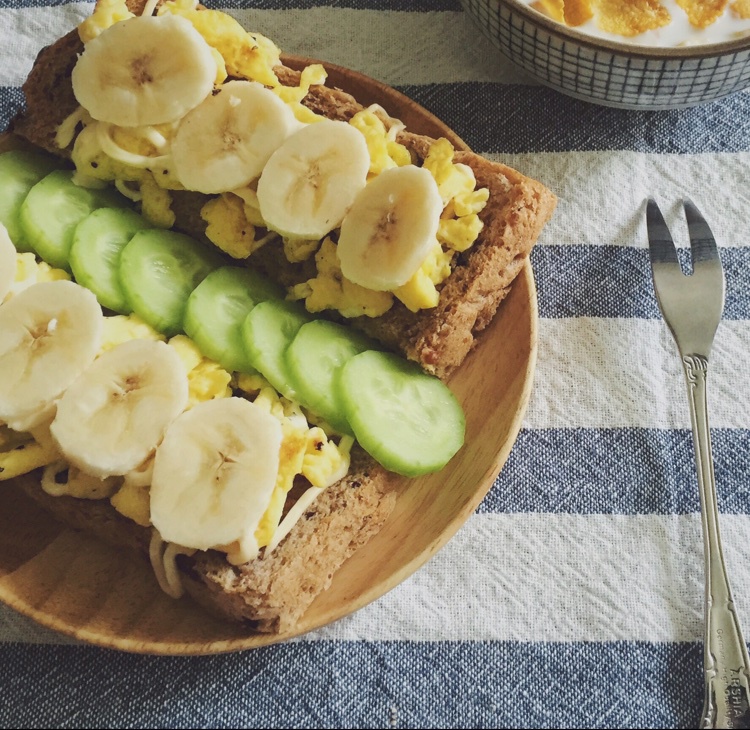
615, 74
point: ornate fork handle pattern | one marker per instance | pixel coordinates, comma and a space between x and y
726, 663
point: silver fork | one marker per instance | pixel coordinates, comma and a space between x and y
692, 307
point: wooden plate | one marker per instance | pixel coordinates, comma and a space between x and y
79, 587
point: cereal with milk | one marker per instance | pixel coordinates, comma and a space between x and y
658, 23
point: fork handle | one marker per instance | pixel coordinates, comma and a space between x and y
725, 658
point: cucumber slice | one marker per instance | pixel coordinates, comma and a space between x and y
266, 332
158, 271
52, 210
20, 170
315, 358
407, 420
98, 241
217, 308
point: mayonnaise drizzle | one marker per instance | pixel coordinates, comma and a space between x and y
67, 129
395, 126
292, 517
163, 557
113, 150
149, 7
127, 191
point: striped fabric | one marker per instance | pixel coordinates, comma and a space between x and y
573, 597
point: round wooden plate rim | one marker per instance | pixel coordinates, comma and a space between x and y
423, 122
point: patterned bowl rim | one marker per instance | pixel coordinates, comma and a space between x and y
708, 50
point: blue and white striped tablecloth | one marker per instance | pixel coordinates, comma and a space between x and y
573, 597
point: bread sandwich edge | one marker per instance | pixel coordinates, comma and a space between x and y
268, 594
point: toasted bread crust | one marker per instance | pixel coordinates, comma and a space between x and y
49, 94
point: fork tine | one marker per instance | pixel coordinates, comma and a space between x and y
702, 242
660, 245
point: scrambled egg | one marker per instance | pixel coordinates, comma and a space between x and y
325, 461
106, 13
156, 204
384, 152
133, 498
420, 291
293, 95
460, 224
206, 378
233, 225
30, 271
459, 234
330, 290
246, 55
304, 450
20, 453
122, 328
299, 249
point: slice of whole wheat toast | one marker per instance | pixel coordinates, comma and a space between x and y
268, 594
271, 594
438, 338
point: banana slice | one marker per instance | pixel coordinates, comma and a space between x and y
144, 70
214, 474
7, 263
49, 333
227, 139
310, 182
20, 454
115, 414
390, 229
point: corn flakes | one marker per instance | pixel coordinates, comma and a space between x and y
577, 12
630, 18
701, 13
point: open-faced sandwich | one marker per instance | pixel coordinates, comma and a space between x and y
231, 295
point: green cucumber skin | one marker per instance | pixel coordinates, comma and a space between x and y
159, 269
315, 359
217, 308
266, 333
20, 170
407, 420
53, 208
98, 241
